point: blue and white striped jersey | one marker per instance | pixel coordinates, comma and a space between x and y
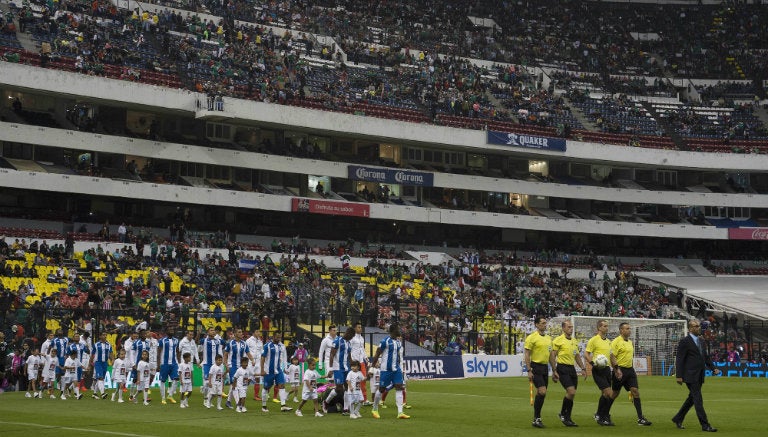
78, 348
138, 347
62, 347
169, 351
236, 349
391, 355
341, 360
101, 352
211, 348
272, 355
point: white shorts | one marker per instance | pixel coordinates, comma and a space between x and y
240, 392
355, 397
152, 371
32, 377
307, 395
255, 370
119, 380
295, 385
49, 377
186, 387
143, 385
68, 379
216, 389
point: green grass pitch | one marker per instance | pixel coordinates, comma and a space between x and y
470, 407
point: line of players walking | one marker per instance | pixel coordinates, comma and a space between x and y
61, 362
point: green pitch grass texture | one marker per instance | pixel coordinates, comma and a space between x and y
466, 408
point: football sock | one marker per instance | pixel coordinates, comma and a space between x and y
567, 407
399, 401
264, 396
283, 396
331, 395
376, 400
162, 390
537, 404
638, 407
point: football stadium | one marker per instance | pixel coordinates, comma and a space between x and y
403, 217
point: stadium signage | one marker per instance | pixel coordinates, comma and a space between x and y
526, 141
448, 366
748, 234
390, 176
741, 370
487, 366
330, 207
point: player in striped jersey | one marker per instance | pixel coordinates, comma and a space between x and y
390, 351
234, 351
61, 344
169, 366
211, 348
138, 347
340, 354
272, 373
102, 353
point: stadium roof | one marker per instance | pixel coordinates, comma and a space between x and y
743, 294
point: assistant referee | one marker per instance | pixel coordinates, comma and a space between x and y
600, 345
538, 346
565, 353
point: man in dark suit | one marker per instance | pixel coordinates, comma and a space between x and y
691, 361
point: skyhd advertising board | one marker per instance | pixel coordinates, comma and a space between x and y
492, 366
526, 141
390, 176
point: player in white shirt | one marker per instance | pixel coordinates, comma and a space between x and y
188, 345
309, 387
354, 390
293, 377
215, 383
119, 375
70, 380
143, 377
33, 372
240, 382
374, 377
45, 348
359, 354
185, 373
50, 362
325, 351
154, 345
128, 347
255, 345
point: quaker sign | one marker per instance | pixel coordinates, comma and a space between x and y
390, 176
446, 366
526, 141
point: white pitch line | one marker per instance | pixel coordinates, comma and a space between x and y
97, 431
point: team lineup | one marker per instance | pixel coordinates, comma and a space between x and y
612, 371
239, 363
60, 364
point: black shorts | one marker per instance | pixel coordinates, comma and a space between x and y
568, 375
540, 375
602, 377
627, 381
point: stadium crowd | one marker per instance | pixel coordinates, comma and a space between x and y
425, 61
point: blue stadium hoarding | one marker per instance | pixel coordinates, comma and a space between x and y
390, 175
432, 367
526, 141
